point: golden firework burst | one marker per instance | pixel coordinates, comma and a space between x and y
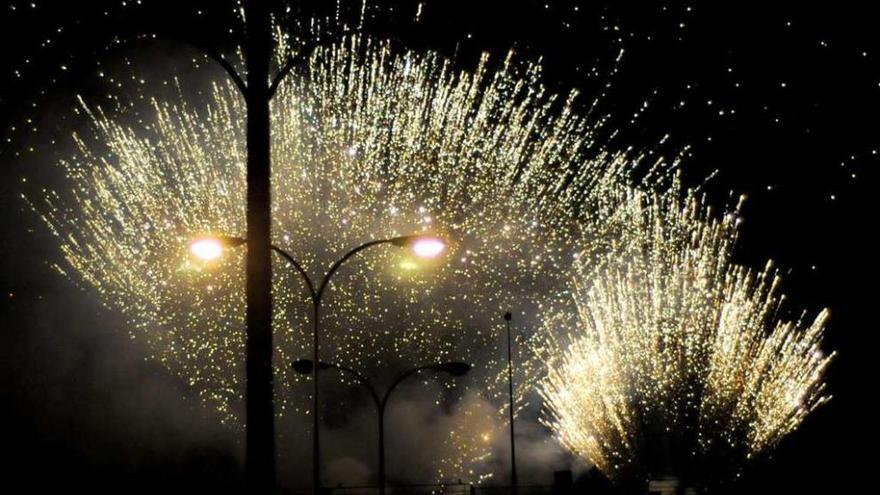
676, 355
368, 142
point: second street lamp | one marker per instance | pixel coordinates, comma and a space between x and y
305, 367
211, 248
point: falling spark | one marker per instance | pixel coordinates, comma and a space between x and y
676, 355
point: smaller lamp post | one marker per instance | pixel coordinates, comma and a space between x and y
306, 367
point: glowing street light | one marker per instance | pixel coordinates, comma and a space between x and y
212, 248
427, 247
206, 249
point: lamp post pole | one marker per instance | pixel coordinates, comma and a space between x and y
260, 408
513, 479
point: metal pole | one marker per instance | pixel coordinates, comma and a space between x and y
317, 296
513, 480
316, 444
382, 449
260, 415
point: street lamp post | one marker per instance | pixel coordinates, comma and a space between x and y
305, 367
211, 248
513, 479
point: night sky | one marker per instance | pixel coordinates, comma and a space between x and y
777, 101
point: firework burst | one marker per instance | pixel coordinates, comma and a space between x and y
676, 355
367, 143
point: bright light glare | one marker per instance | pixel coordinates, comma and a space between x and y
428, 247
206, 249
408, 265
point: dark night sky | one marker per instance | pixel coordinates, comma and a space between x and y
781, 100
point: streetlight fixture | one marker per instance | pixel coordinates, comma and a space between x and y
207, 249
427, 247
306, 367
211, 248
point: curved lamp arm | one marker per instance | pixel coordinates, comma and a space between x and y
335, 267
402, 241
397, 381
284, 254
360, 378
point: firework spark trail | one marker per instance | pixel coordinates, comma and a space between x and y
674, 344
368, 143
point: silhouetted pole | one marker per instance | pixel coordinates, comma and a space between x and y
260, 409
513, 480
381, 406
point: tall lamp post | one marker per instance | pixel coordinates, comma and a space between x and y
513, 480
260, 409
212, 248
305, 367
